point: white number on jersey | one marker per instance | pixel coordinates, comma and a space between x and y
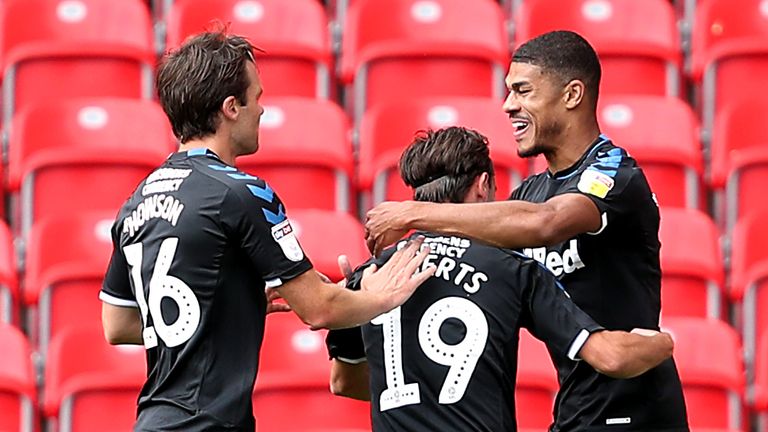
461, 358
163, 285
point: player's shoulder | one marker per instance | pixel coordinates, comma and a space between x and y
609, 158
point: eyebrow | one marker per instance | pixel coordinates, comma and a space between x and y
516, 85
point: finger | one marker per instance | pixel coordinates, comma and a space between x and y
420, 277
344, 266
370, 243
272, 294
371, 269
278, 307
416, 262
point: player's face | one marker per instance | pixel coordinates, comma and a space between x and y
534, 106
246, 133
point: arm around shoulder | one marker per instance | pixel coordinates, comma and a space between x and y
620, 354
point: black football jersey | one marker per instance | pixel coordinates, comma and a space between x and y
447, 359
194, 247
614, 275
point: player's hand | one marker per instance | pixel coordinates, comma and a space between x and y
345, 268
273, 306
385, 225
397, 279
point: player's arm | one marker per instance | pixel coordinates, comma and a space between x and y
510, 224
323, 305
350, 380
620, 354
121, 324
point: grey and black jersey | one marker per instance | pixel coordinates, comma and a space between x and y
194, 247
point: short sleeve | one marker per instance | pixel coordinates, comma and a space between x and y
614, 183
550, 315
116, 288
256, 219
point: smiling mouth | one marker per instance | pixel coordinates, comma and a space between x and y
521, 127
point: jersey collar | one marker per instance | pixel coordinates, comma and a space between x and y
573, 169
195, 153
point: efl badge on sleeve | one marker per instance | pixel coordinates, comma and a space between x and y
286, 238
595, 183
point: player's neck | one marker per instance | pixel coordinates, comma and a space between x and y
214, 144
574, 143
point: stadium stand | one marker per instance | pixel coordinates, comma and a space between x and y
305, 142
324, 235
294, 63
63, 153
403, 49
66, 260
711, 370
637, 42
669, 151
9, 284
294, 373
18, 396
739, 167
760, 387
387, 129
91, 385
536, 384
58, 49
749, 278
692, 283
729, 53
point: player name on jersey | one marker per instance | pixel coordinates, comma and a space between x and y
445, 253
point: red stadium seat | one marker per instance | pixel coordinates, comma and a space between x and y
760, 388
294, 373
711, 371
9, 285
324, 235
304, 145
91, 385
402, 49
66, 259
386, 130
637, 41
293, 34
729, 53
668, 151
62, 155
693, 279
749, 279
17, 382
55, 49
740, 159
536, 384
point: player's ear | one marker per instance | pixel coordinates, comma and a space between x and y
573, 94
230, 108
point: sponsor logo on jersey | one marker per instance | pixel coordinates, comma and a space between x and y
164, 180
595, 183
567, 262
286, 238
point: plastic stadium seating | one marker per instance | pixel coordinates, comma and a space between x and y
66, 260
386, 130
9, 285
693, 279
711, 371
17, 382
730, 53
536, 384
749, 279
324, 235
55, 49
760, 388
402, 49
740, 160
295, 63
661, 134
304, 145
91, 385
637, 42
62, 155
294, 374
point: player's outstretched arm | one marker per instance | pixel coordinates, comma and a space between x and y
324, 305
122, 325
350, 380
620, 354
510, 224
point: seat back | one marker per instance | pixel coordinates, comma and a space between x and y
637, 42
669, 152
9, 284
17, 382
536, 384
304, 142
386, 131
294, 63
